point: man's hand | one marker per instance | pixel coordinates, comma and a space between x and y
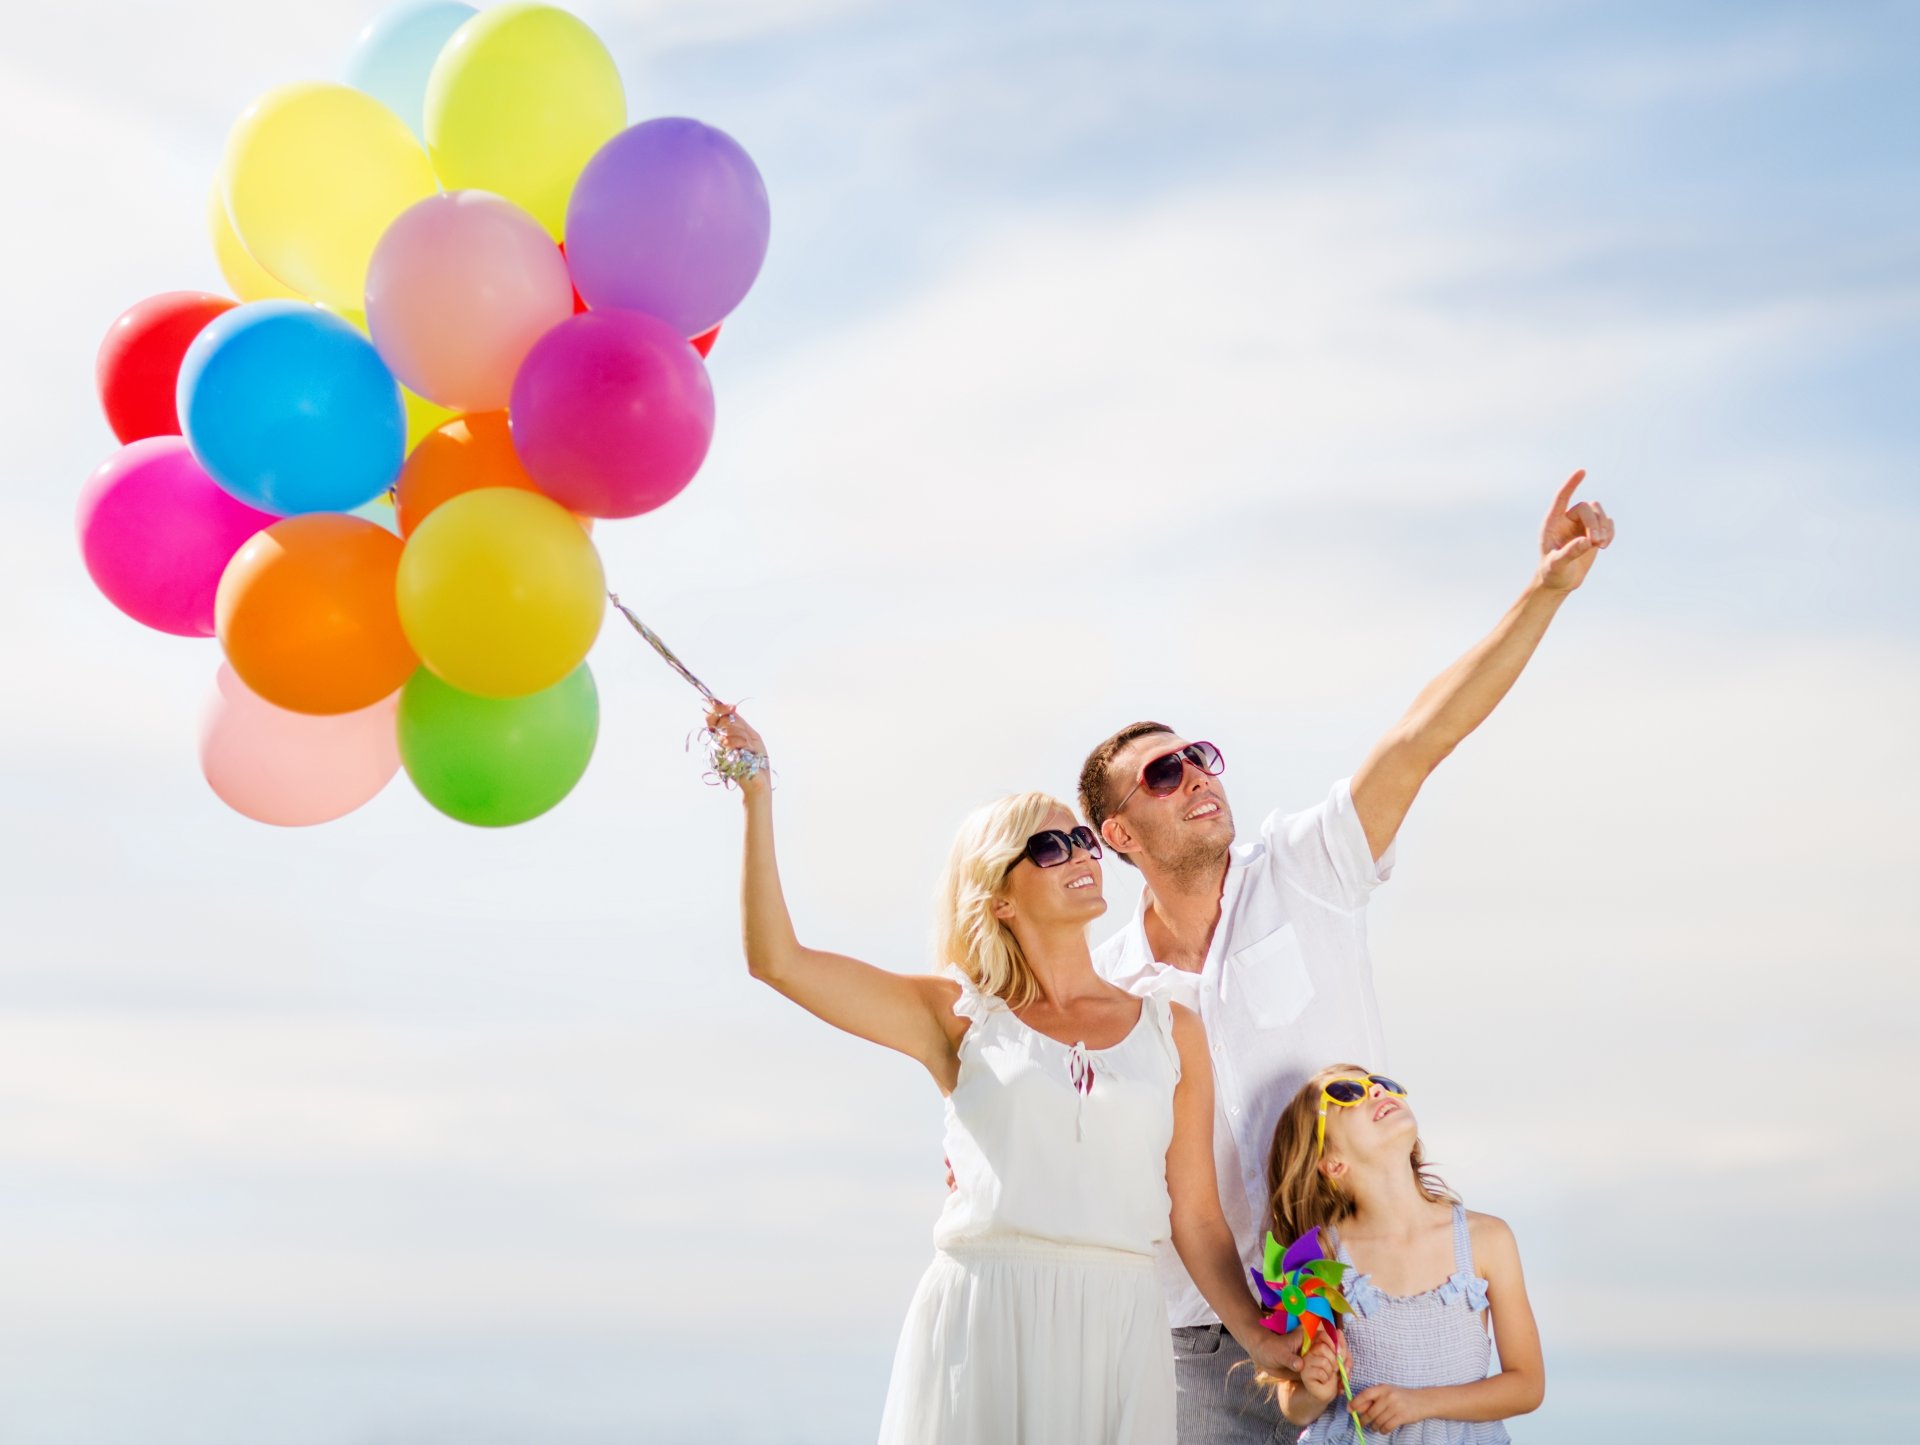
1570, 537
1276, 1354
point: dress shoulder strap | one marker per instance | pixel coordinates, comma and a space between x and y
1161, 1007
974, 1003
1462, 1241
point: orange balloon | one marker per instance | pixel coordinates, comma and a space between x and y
462, 455
307, 616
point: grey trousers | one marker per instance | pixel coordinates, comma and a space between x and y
1219, 1404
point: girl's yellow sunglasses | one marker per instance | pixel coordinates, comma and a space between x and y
1346, 1093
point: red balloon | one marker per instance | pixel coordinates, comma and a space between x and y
139, 361
703, 343
578, 304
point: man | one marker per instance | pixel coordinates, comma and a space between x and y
1267, 941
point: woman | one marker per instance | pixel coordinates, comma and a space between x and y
1079, 1124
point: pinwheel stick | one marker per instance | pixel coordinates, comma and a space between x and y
726, 765
1346, 1384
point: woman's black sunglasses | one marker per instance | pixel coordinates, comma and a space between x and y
1161, 776
1051, 847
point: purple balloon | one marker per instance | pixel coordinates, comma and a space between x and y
670, 218
612, 413
156, 532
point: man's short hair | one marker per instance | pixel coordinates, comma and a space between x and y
1098, 797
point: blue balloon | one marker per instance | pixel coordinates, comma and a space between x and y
291, 409
395, 53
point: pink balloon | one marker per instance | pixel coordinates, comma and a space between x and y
294, 769
156, 532
612, 413
459, 289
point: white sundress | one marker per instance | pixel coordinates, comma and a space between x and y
1041, 1320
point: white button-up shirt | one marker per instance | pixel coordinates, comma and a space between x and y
1286, 989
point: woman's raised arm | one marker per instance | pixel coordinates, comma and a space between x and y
912, 1014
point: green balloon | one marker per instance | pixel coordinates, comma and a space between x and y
497, 761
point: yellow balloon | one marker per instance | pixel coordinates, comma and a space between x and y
247, 279
518, 101
501, 592
314, 173
423, 416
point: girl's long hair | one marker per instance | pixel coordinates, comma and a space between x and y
966, 933
1300, 1196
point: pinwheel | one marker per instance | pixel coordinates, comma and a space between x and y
1299, 1287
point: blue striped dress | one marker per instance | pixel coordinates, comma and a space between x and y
1416, 1341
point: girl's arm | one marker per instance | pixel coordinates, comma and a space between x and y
1522, 1382
913, 1015
1200, 1232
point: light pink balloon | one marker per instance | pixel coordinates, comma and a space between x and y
156, 532
459, 289
294, 769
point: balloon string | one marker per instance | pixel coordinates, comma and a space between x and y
653, 641
726, 766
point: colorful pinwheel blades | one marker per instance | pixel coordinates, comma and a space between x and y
1301, 1252
1300, 1287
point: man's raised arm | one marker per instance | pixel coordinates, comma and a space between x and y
1460, 699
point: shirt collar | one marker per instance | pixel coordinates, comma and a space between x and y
1136, 955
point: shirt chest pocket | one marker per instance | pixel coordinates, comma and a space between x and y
1271, 977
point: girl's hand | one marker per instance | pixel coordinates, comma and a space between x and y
1320, 1372
735, 732
1317, 1386
1388, 1407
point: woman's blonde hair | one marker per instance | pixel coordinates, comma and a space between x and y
966, 933
1300, 1196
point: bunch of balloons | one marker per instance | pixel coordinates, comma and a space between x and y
473, 306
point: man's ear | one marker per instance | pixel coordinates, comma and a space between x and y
1117, 836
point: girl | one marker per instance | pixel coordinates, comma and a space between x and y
1079, 1124
1428, 1278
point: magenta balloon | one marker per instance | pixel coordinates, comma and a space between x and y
612, 413
156, 532
459, 289
293, 769
670, 218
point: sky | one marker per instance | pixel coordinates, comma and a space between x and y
1212, 363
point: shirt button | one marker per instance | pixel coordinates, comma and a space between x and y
1216, 1048
1235, 1110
